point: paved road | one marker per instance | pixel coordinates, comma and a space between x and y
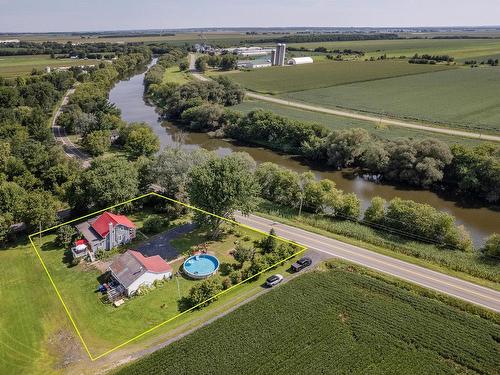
452, 286
71, 150
358, 116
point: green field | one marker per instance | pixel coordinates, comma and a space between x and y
340, 320
278, 80
173, 74
338, 122
466, 98
460, 49
12, 66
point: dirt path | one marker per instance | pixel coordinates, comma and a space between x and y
71, 150
357, 116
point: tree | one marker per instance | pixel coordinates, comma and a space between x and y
153, 224
65, 235
13, 199
107, 182
97, 142
204, 291
183, 66
140, 140
206, 117
375, 213
41, 210
269, 243
171, 169
344, 147
492, 246
350, 207
201, 63
5, 224
228, 62
243, 253
221, 186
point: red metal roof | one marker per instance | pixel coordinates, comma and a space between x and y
81, 242
101, 224
153, 264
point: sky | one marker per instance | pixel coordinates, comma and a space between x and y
97, 15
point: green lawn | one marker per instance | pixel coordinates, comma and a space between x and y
173, 74
32, 322
276, 80
104, 326
465, 98
460, 49
338, 122
340, 320
12, 66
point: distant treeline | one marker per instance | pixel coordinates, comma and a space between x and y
81, 50
69, 49
430, 59
307, 38
135, 35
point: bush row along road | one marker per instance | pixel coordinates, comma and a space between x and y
437, 281
335, 112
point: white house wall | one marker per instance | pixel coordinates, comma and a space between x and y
147, 278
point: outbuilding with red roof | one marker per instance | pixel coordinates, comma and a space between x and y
133, 270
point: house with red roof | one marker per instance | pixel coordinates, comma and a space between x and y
106, 231
132, 270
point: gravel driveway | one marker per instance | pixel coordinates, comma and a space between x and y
160, 244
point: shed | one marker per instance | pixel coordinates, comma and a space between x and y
300, 60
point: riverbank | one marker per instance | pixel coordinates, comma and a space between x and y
128, 97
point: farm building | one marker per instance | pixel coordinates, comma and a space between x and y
106, 232
300, 60
132, 270
254, 64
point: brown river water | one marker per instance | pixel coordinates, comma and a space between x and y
127, 95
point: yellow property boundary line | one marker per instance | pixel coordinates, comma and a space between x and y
93, 358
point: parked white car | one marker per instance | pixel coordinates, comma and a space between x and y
274, 280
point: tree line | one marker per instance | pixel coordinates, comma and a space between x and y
35, 174
463, 171
222, 185
90, 115
331, 37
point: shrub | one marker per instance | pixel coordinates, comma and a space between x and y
153, 224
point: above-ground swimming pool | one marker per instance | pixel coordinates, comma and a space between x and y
201, 266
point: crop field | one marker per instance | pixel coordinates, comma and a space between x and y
460, 49
12, 66
340, 320
463, 98
278, 80
337, 122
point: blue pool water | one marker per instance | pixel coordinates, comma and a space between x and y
201, 266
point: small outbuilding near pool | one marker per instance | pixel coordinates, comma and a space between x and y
133, 270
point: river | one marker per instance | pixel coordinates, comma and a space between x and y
127, 95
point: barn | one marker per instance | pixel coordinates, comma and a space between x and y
300, 60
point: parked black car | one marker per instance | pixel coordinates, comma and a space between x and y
301, 263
